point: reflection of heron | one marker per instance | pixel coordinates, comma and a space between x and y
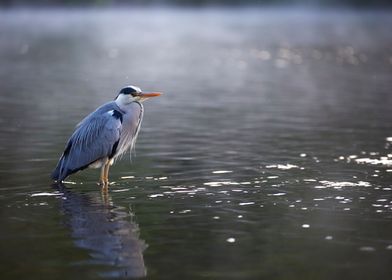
103, 230
104, 135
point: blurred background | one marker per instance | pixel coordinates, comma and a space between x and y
268, 156
352, 3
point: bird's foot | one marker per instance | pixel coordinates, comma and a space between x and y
103, 183
105, 188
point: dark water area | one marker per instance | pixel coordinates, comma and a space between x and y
268, 157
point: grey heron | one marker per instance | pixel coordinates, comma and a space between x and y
104, 135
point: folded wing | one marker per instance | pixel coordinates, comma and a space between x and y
94, 139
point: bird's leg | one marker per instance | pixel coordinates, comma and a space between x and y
106, 170
102, 178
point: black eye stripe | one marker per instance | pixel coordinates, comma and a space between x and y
129, 90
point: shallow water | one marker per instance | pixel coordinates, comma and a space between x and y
267, 157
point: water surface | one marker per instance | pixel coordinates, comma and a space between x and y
269, 156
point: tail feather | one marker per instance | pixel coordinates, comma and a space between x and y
60, 172
55, 174
63, 169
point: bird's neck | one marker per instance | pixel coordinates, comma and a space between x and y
122, 101
124, 105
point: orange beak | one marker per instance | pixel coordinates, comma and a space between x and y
150, 94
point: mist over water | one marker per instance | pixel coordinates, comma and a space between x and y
269, 155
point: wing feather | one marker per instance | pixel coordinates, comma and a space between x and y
93, 139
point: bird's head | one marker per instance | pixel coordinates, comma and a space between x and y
132, 93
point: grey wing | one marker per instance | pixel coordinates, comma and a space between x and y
96, 137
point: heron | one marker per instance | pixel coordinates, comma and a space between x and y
104, 135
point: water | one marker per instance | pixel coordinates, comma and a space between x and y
267, 157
